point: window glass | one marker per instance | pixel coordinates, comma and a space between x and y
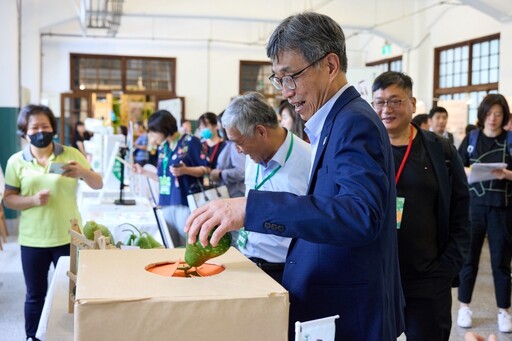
468, 65
485, 48
476, 50
493, 76
106, 73
392, 64
495, 46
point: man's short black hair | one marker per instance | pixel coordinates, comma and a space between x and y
435, 110
390, 78
420, 119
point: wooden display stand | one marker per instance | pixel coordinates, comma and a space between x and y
80, 242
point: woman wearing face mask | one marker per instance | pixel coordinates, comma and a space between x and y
180, 163
46, 199
212, 142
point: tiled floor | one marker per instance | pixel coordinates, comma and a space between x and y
12, 291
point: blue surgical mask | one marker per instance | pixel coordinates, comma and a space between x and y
206, 133
221, 134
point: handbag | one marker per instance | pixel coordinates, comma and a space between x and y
203, 195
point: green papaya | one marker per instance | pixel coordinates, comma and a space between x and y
91, 226
197, 254
144, 243
89, 229
106, 232
152, 241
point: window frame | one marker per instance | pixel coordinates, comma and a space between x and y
387, 61
273, 97
438, 91
73, 64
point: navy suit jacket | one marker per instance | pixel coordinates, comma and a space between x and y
343, 258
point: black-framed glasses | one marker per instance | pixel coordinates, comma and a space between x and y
289, 81
392, 103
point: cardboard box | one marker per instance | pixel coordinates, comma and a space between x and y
117, 299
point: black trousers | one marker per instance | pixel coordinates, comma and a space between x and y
427, 311
496, 223
274, 270
36, 262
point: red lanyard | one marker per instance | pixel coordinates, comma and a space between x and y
407, 152
214, 152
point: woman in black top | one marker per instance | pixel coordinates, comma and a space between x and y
491, 211
80, 136
212, 142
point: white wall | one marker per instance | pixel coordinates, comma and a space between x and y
455, 25
207, 77
459, 24
9, 85
208, 73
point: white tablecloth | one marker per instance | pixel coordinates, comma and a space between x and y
114, 216
56, 323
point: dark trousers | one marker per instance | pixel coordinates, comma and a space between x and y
274, 270
35, 262
496, 223
427, 311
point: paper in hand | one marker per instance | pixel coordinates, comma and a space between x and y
483, 171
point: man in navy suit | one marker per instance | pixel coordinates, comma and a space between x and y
343, 258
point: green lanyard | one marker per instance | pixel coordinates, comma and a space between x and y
167, 153
165, 161
258, 186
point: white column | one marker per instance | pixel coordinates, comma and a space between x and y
9, 63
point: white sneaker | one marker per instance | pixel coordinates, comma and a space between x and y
504, 322
464, 318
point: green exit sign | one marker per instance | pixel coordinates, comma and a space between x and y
386, 49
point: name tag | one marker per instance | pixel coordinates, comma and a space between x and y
399, 211
165, 185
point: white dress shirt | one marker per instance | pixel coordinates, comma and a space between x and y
293, 177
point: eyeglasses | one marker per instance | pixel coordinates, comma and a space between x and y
289, 81
393, 103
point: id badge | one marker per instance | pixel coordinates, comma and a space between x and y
165, 185
399, 210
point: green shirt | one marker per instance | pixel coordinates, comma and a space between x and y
48, 225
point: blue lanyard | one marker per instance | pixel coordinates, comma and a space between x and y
258, 186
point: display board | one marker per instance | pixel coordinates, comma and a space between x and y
174, 106
362, 80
